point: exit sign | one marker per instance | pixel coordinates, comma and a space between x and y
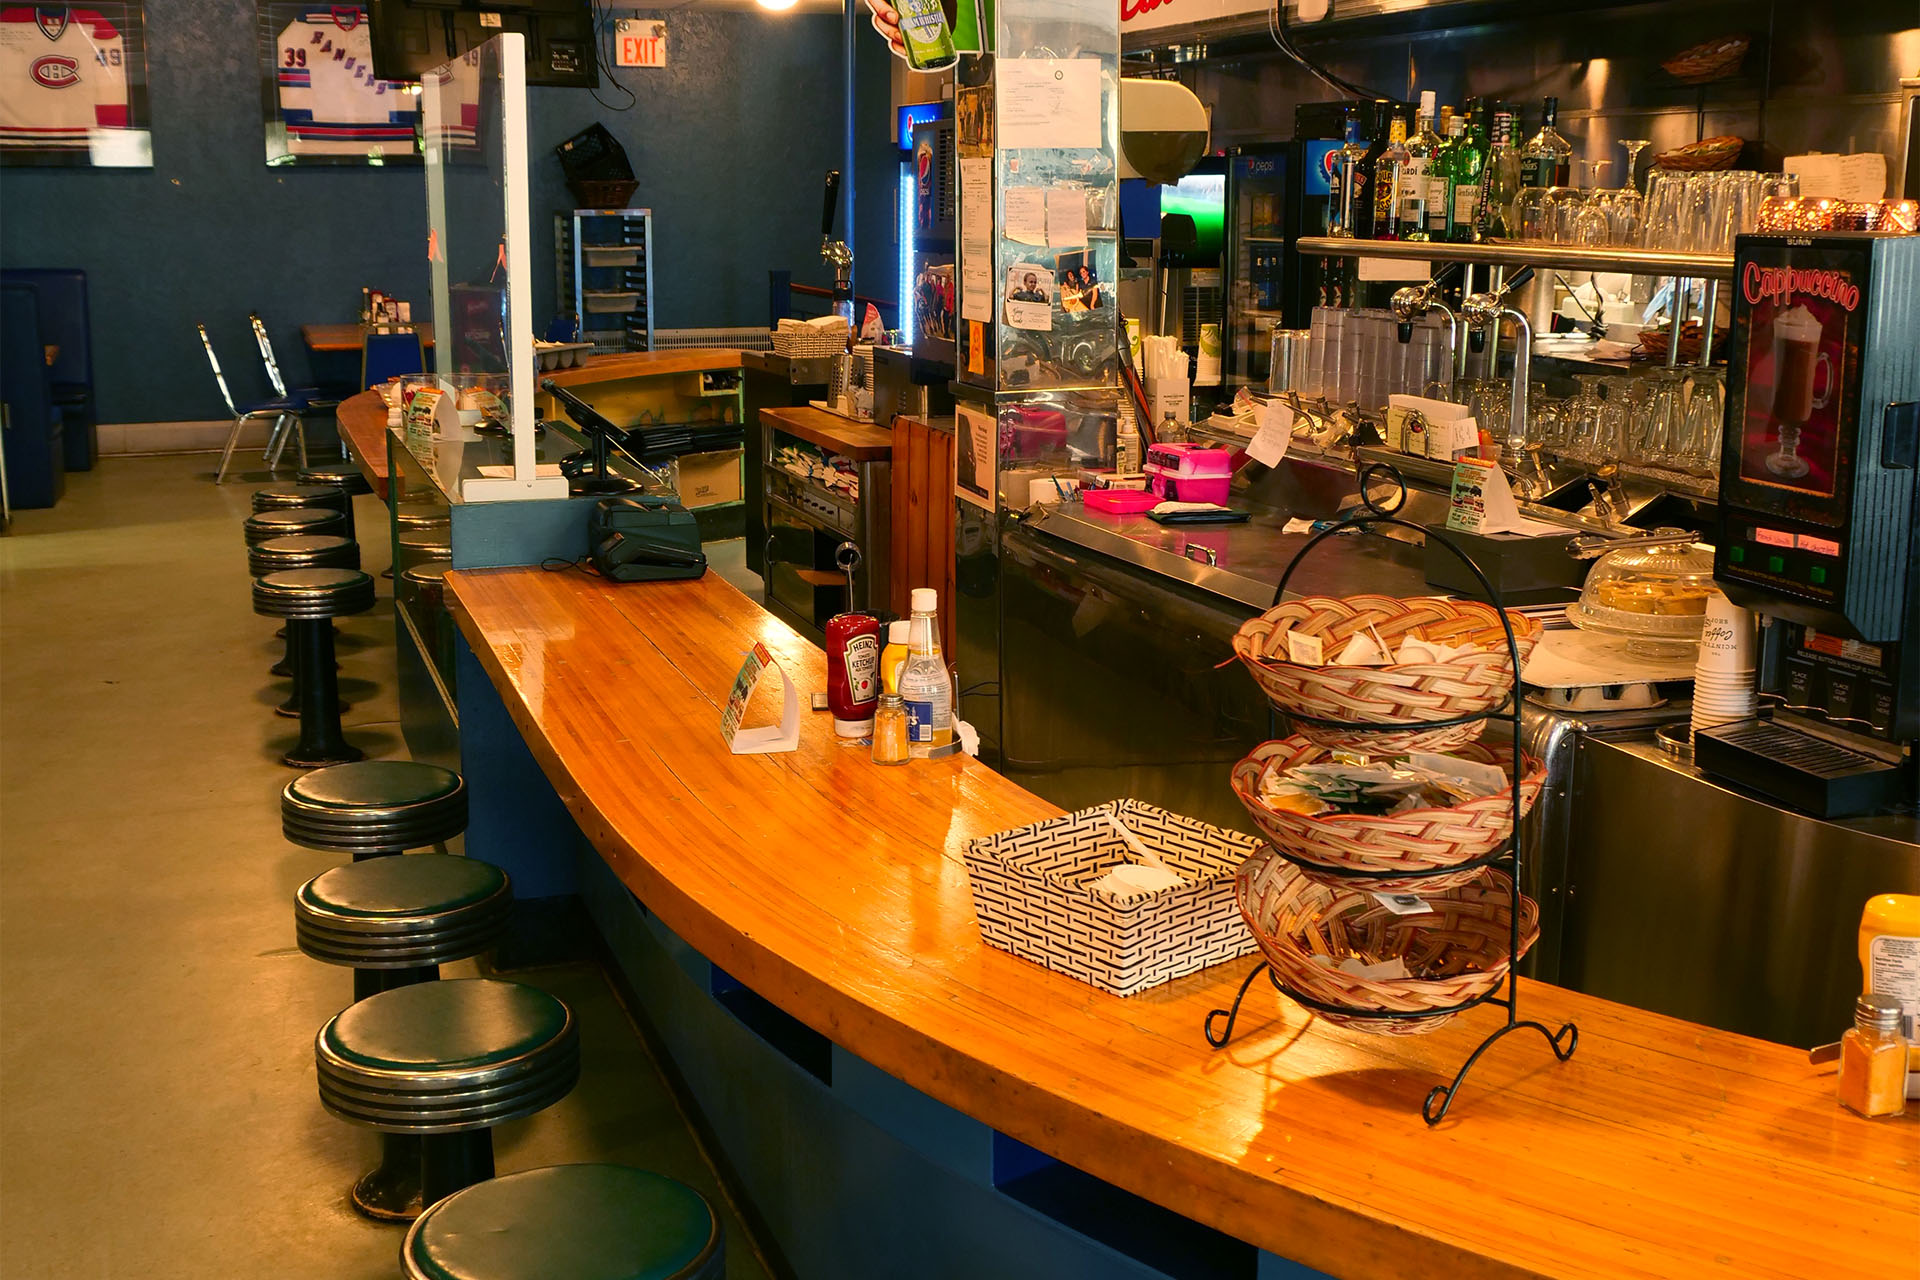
640, 43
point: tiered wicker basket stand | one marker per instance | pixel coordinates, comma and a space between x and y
1506, 995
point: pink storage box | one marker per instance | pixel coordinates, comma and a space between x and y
1189, 472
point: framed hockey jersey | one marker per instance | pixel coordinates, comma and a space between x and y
73, 85
323, 104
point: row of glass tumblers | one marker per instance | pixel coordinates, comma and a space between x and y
1356, 357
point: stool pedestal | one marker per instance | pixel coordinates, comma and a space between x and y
309, 599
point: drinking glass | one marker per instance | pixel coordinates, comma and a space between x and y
1611, 431
1699, 453
1563, 207
1662, 414
1634, 147
1626, 212
1533, 215
1581, 434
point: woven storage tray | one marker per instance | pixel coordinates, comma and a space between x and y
1704, 63
1403, 694
1029, 893
1463, 941
1369, 848
1704, 156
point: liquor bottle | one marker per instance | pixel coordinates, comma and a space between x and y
924, 30
1462, 162
1343, 176
1389, 175
1367, 175
1499, 179
1547, 157
1422, 190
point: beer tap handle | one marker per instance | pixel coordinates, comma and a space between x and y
830, 205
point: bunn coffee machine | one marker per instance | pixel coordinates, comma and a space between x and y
1820, 519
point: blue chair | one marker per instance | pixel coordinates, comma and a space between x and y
65, 323
309, 396
284, 412
34, 453
390, 355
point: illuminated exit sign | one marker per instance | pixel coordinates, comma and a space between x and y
640, 43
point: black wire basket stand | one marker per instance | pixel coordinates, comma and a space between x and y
1508, 855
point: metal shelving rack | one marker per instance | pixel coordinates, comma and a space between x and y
1502, 253
604, 260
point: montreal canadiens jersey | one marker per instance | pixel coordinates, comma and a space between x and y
62, 76
330, 101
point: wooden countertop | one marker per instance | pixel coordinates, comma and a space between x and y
859, 441
363, 421
644, 364
346, 337
837, 891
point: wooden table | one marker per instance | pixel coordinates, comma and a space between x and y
346, 337
1661, 1149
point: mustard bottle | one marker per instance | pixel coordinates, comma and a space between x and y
1890, 965
894, 656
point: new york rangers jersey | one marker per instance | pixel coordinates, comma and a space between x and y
330, 101
62, 76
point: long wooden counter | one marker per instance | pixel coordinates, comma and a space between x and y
837, 891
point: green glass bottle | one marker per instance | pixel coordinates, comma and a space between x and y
929, 41
1466, 157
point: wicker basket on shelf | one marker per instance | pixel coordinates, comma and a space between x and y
1401, 694
1458, 950
1703, 156
603, 193
1401, 851
1707, 62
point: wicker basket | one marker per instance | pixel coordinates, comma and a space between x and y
1404, 851
1705, 63
810, 342
603, 193
1462, 943
1403, 694
1029, 893
1703, 156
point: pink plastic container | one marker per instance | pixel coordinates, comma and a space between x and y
1119, 502
1189, 472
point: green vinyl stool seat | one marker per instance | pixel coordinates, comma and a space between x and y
282, 496
448, 1061
402, 913
347, 479
568, 1222
280, 522
309, 600
395, 920
299, 551
374, 807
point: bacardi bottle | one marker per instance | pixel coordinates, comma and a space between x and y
1423, 191
1389, 174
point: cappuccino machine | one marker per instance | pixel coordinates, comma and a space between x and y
1819, 529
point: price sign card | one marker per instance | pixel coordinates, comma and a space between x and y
764, 739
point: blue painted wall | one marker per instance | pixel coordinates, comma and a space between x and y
729, 142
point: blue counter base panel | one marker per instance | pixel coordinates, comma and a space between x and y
857, 1174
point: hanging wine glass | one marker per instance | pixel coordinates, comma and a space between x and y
1634, 147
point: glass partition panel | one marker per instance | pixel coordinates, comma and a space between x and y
474, 135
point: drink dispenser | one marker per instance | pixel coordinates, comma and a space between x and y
1820, 518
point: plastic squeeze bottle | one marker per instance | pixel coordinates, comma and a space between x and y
1890, 965
925, 685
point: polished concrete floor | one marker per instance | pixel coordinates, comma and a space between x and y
158, 1116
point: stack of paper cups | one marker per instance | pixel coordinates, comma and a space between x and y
1723, 675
